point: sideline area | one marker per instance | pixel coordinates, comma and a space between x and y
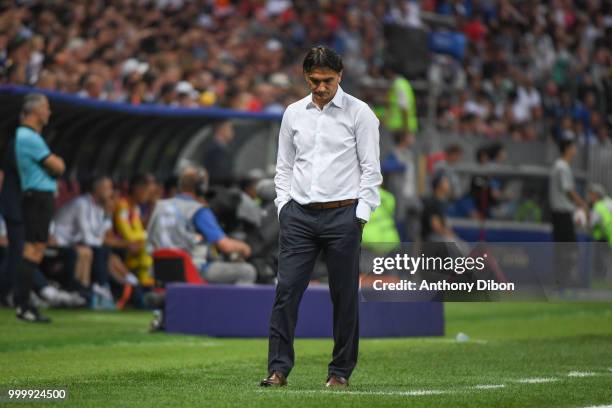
547, 354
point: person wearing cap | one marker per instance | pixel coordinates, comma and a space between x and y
186, 94
327, 179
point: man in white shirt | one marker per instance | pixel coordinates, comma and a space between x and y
327, 179
83, 224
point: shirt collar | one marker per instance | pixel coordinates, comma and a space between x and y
183, 196
337, 100
28, 127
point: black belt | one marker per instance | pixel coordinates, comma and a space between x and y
330, 204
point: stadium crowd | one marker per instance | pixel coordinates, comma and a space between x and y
528, 68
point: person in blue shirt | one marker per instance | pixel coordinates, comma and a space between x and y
186, 222
38, 169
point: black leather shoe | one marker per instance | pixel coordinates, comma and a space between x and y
333, 381
275, 379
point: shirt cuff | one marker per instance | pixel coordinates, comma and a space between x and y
363, 211
280, 207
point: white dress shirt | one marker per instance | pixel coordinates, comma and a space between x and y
329, 154
81, 221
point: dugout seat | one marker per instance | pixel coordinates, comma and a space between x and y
174, 265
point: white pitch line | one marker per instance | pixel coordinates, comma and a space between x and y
488, 386
600, 406
537, 380
413, 393
580, 374
417, 393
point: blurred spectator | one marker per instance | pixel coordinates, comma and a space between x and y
565, 205
563, 198
4, 281
242, 54
84, 225
600, 226
381, 228
434, 227
400, 169
185, 222
406, 13
218, 160
128, 224
401, 113
452, 155
249, 210
3, 238
600, 220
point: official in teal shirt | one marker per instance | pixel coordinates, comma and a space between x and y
38, 169
31, 152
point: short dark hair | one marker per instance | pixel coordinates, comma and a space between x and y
482, 154
322, 57
437, 179
91, 182
565, 144
494, 149
453, 149
139, 180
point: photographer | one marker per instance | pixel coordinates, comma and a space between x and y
187, 223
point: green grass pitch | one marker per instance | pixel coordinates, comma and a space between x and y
518, 354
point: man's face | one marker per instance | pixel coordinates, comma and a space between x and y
571, 152
104, 191
142, 194
225, 132
43, 112
444, 188
453, 157
323, 83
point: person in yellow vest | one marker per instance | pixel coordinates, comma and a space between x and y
600, 219
401, 112
600, 223
381, 228
128, 225
380, 236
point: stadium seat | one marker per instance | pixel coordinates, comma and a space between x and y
174, 265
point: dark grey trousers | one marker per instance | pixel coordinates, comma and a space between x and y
303, 234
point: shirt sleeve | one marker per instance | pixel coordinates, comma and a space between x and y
35, 148
594, 219
2, 227
284, 162
368, 154
129, 229
207, 225
567, 181
402, 98
89, 235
